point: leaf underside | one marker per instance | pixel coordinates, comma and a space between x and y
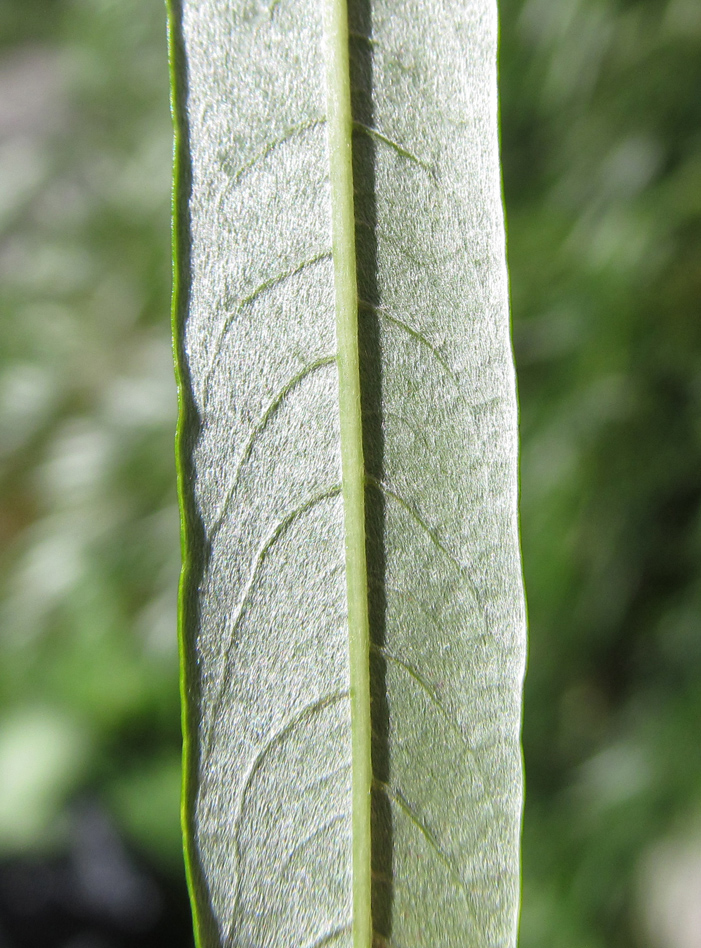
269, 756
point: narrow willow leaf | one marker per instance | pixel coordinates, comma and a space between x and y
351, 604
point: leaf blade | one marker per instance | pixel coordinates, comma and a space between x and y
257, 273
239, 299
443, 480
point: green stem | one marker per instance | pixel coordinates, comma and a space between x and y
340, 131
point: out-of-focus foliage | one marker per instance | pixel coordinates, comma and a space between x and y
601, 113
88, 517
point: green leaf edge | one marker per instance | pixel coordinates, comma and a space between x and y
179, 242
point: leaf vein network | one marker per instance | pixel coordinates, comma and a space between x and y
414, 333
321, 830
272, 741
402, 594
259, 559
268, 284
292, 132
257, 430
399, 149
430, 533
332, 936
424, 685
397, 797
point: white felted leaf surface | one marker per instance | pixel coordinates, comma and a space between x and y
270, 751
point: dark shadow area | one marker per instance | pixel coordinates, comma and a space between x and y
189, 426
360, 49
94, 892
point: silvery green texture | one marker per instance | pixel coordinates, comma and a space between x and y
271, 816
453, 613
265, 636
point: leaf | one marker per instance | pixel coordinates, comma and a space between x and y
351, 603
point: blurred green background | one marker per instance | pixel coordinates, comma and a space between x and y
601, 138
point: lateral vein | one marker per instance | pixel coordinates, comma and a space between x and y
340, 135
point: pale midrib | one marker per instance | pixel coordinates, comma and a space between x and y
340, 130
